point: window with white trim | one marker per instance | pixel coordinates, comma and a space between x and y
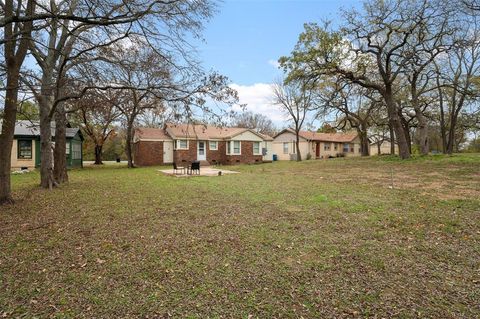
256, 148
285, 148
229, 144
181, 144
24, 149
213, 145
237, 148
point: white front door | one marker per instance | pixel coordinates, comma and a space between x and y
168, 152
201, 152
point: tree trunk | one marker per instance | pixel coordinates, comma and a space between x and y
98, 155
408, 137
451, 143
8, 130
406, 130
297, 145
392, 138
14, 52
379, 146
46, 154
422, 132
451, 138
128, 146
364, 143
403, 147
442, 112
60, 158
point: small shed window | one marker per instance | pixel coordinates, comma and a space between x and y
76, 151
352, 149
326, 146
285, 148
345, 148
213, 145
24, 149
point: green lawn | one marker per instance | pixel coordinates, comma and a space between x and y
316, 239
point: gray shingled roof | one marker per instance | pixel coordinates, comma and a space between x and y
32, 128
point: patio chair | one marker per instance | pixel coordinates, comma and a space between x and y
194, 167
178, 168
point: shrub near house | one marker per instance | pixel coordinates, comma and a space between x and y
184, 143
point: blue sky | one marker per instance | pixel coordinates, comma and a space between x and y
245, 39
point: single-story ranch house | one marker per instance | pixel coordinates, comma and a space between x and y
186, 143
26, 145
318, 145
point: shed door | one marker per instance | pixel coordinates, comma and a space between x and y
168, 151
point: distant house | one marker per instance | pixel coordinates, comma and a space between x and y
26, 146
184, 143
316, 145
381, 148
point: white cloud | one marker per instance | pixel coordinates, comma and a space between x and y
258, 98
274, 63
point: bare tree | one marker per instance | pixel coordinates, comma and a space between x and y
72, 33
353, 108
373, 55
149, 81
98, 113
16, 36
155, 118
255, 121
456, 76
295, 98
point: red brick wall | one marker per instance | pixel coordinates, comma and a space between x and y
146, 153
151, 153
246, 157
186, 156
219, 156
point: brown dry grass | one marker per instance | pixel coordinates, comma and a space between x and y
311, 239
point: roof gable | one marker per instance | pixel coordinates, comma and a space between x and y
289, 131
147, 133
207, 132
32, 128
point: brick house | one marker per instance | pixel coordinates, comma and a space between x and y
186, 143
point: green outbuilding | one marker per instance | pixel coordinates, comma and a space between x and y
26, 145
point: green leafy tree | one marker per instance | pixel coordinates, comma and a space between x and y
28, 111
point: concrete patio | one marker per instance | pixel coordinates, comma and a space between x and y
204, 171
